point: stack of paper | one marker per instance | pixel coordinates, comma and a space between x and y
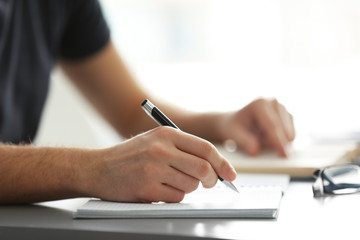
255, 201
302, 162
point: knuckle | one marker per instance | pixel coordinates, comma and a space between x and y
281, 107
275, 102
165, 132
260, 101
208, 148
223, 164
158, 150
204, 169
258, 105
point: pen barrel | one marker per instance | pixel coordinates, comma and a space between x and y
161, 118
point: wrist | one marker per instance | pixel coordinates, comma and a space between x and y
87, 173
210, 126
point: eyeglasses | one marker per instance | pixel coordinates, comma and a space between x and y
338, 179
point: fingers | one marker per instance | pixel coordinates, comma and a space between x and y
209, 162
192, 156
155, 180
170, 186
179, 180
179, 160
159, 192
246, 140
287, 120
197, 167
160, 165
164, 183
275, 122
170, 194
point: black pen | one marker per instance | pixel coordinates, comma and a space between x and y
163, 120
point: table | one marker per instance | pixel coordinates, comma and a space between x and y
301, 217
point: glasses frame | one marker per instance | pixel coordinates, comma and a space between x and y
330, 188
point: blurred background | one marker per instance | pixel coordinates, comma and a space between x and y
219, 55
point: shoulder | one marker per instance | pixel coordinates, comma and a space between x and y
86, 31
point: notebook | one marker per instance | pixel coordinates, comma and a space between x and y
260, 197
302, 162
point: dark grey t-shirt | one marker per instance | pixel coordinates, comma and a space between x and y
33, 36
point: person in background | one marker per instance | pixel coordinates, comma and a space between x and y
153, 164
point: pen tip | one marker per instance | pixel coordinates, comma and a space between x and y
230, 185
234, 188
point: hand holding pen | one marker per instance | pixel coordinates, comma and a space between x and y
163, 120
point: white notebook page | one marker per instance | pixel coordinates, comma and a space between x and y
258, 200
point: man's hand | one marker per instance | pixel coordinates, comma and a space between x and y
160, 165
262, 123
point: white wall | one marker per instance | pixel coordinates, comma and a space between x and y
69, 120
229, 52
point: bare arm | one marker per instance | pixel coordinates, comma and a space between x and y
107, 83
31, 174
159, 165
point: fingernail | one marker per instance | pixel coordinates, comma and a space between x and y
234, 171
288, 149
284, 151
232, 175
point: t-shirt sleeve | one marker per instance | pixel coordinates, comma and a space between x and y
86, 31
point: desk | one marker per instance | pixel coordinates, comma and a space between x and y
301, 217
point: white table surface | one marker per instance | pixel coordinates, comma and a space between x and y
301, 217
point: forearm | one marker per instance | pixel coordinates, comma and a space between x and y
205, 125
107, 83
127, 172
33, 174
